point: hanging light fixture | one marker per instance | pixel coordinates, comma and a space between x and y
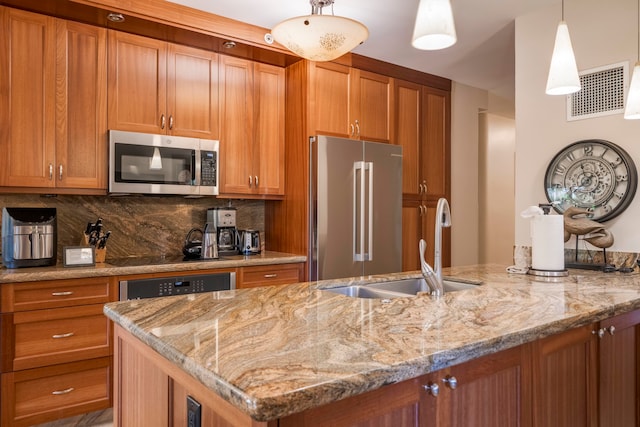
563, 72
155, 162
632, 108
434, 27
319, 37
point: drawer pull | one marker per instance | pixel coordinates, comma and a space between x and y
58, 336
65, 391
62, 294
270, 276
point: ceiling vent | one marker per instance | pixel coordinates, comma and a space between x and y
602, 94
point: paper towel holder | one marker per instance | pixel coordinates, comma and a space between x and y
546, 209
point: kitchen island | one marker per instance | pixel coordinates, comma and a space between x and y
271, 353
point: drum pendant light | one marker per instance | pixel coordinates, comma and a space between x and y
319, 37
563, 76
434, 28
632, 107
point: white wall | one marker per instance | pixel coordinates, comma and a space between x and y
602, 33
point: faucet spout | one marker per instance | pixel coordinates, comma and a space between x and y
443, 219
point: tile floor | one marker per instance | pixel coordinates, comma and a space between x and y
93, 419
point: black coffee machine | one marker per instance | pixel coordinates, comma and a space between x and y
224, 221
29, 237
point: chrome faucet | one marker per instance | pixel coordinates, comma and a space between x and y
443, 219
435, 285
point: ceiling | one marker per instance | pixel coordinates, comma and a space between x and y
483, 57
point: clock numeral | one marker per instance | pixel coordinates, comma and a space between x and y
617, 162
571, 157
606, 208
622, 177
588, 150
560, 170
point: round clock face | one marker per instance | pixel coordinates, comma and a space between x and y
593, 174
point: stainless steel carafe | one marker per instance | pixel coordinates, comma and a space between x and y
209, 242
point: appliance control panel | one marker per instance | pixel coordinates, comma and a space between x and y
209, 166
168, 286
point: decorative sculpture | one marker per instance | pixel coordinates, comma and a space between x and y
576, 222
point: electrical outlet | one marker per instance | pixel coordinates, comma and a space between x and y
194, 412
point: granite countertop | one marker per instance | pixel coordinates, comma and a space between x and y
142, 265
279, 350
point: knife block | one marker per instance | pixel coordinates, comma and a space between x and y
100, 254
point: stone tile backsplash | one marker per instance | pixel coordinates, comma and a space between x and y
140, 225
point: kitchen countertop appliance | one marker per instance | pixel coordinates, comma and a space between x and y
356, 208
224, 222
192, 248
248, 242
29, 237
176, 285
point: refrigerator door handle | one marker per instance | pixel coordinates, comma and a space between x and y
358, 220
369, 255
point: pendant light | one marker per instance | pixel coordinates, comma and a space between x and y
319, 37
434, 28
563, 76
632, 108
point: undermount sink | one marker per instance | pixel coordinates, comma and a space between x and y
400, 288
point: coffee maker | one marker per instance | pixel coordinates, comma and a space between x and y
29, 237
224, 221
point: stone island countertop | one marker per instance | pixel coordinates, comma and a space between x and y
279, 350
142, 265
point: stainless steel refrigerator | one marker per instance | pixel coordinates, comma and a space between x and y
356, 208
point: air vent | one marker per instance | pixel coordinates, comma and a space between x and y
603, 92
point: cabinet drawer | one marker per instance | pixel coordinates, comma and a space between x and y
56, 293
39, 395
270, 275
45, 337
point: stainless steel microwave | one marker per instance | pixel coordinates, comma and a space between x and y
146, 163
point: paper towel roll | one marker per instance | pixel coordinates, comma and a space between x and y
547, 242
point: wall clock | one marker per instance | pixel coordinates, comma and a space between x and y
594, 174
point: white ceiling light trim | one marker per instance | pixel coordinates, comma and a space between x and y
319, 37
563, 76
632, 108
434, 27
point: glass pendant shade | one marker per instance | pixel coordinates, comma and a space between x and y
155, 162
434, 27
632, 108
320, 37
563, 71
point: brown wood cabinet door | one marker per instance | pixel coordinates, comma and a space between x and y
268, 155
81, 113
192, 92
411, 234
370, 105
436, 151
407, 111
329, 99
236, 142
564, 372
137, 81
27, 113
619, 351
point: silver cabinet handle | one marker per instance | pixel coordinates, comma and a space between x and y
250, 180
432, 389
58, 336
599, 333
162, 121
424, 184
50, 171
353, 129
452, 382
65, 391
171, 121
611, 329
61, 294
270, 276
256, 180
60, 172
357, 128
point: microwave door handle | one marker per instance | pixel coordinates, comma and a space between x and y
195, 167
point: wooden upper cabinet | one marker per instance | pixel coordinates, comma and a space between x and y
437, 146
407, 111
351, 103
54, 114
158, 87
252, 117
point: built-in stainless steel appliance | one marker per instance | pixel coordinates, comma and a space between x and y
224, 221
176, 285
29, 237
356, 208
162, 164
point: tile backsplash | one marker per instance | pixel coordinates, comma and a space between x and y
140, 225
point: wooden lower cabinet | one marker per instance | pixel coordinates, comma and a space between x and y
266, 275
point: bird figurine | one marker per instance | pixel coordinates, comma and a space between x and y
576, 222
